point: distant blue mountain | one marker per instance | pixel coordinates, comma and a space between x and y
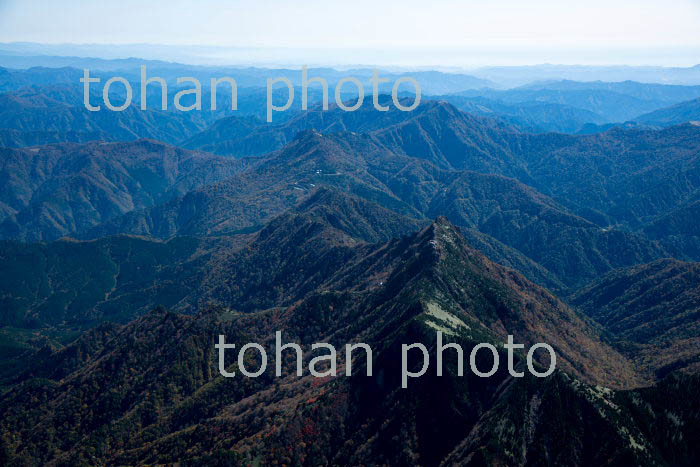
675, 115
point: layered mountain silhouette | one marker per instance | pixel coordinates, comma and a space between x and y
249, 136
620, 177
616, 101
502, 208
56, 190
70, 284
35, 116
535, 116
384, 294
123, 259
674, 115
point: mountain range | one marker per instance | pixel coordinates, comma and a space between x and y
54, 190
129, 242
544, 106
401, 291
688, 111
476, 171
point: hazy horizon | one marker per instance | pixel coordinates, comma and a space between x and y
445, 59
463, 35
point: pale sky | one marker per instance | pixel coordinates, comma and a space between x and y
603, 26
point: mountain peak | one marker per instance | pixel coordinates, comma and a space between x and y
442, 231
442, 222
